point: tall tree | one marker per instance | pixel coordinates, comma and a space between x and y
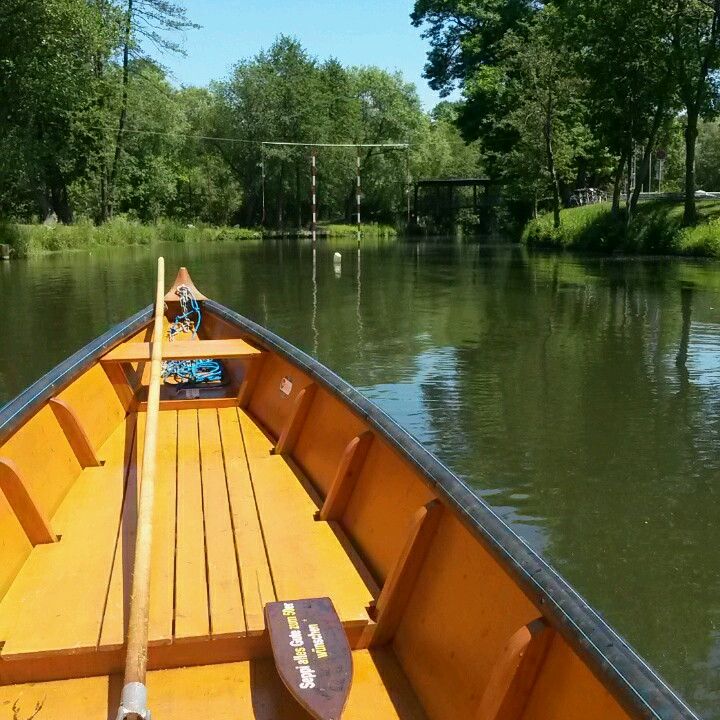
546, 109
695, 30
623, 54
145, 22
48, 90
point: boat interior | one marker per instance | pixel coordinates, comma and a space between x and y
269, 488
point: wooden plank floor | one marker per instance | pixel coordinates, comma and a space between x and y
234, 529
230, 691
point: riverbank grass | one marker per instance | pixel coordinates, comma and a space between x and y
28, 240
334, 230
655, 229
35, 239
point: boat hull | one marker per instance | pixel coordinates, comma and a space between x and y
433, 588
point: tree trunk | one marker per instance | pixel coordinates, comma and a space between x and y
123, 109
647, 153
628, 192
59, 197
691, 135
550, 153
616, 185
104, 214
281, 197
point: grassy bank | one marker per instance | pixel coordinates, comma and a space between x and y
35, 239
370, 230
655, 229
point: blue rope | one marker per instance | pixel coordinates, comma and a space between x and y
193, 371
190, 372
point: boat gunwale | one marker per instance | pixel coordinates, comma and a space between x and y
21, 408
639, 687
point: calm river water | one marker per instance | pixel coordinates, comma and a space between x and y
580, 397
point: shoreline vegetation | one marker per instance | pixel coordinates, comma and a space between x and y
36, 239
656, 228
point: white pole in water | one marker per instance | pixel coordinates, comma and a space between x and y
357, 194
313, 162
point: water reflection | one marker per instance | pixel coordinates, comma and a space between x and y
581, 397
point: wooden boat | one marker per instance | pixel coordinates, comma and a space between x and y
281, 496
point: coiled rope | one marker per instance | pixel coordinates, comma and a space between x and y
186, 373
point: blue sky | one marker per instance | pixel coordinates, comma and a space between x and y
372, 32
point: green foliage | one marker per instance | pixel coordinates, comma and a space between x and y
49, 92
610, 77
655, 228
95, 128
120, 231
284, 93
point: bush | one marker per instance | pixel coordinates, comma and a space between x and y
656, 228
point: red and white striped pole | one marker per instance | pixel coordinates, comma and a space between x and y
357, 196
313, 163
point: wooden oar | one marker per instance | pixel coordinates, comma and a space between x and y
133, 703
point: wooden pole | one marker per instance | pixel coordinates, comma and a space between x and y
133, 702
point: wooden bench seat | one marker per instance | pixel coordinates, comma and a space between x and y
182, 350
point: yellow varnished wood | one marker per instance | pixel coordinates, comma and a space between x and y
306, 558
253, 369
226, 608
269, 404
69, 579
96, 404
515, 672
346, 476
191, 608
162, 578
257, 587
118, 377
380, 511
75, 432
401, 580
115, 619
296, 419
183, 278
15, 547
330, 419
45, 459
249, 690
26, 508
566, 689
182, 350
462, 590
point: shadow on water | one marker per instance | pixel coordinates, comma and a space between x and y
579, 395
